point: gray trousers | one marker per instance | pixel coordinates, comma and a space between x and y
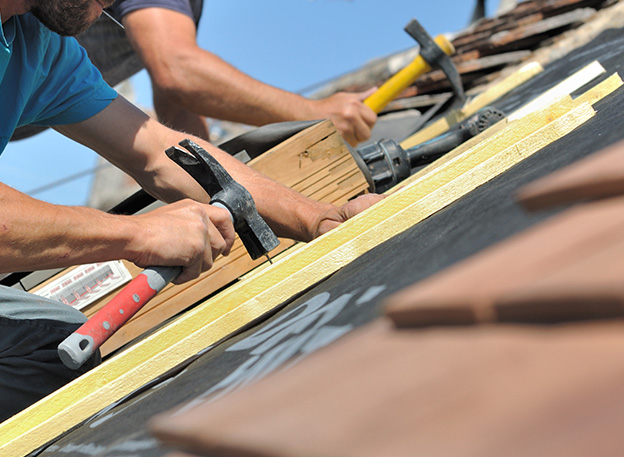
31, 328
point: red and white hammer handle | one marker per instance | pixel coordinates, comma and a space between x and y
77, 348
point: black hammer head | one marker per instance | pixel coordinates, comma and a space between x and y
436, 57
253, 231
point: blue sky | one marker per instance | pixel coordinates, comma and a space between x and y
291, 44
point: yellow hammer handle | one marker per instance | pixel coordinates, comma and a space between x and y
402, 80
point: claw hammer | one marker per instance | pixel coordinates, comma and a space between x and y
433, 54
256, 235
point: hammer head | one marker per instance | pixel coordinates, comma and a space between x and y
254, 232
436, 57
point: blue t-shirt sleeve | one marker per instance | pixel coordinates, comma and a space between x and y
74, 89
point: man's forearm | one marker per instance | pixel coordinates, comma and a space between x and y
207, 85
38, 235
138, 147
289, 213
200, 80
199, 83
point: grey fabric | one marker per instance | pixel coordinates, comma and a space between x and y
31, 328
16, 304
108, 46
191, 8
110, 51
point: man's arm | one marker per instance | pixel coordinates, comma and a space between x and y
40, 235
136, 144
190, 82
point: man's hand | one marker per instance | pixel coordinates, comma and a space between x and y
186, 234
351, 117
338, 215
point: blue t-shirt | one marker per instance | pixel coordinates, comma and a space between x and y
45, 79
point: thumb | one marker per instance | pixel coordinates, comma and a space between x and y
357, 205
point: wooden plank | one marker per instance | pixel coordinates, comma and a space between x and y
464, 42
522, 9
247, 300
297, 158
319, 187
344, 189
487, 287
591, 287
442, 84
489, 62
442, 125
325, 177
513, 37
458, 58
503, 133
553, 7
485, 80
418, 101
521, 391
484, 25
598, 176
481, 36
555, 109
483, 63
525, 26
567, 86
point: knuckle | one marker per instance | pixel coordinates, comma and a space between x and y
207, 264
197, 209
223, 215
350, 112
217, 245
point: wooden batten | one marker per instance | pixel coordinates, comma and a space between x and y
507, 131
562, 89
481, 101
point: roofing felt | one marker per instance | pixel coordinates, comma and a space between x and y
354, 297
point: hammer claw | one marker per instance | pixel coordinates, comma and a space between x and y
433, 53
199, 164
436, 56
253, 231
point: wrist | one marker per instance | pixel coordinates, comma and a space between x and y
91, 236
312, 217
293, 215
130, 238
113, 237
305, 109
